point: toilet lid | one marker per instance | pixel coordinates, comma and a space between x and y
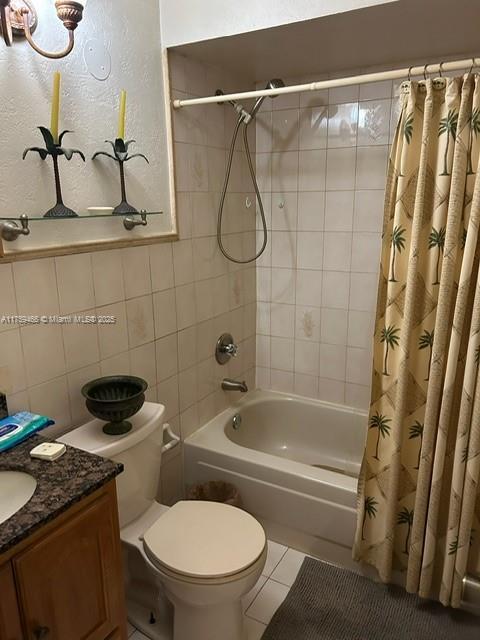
205, 539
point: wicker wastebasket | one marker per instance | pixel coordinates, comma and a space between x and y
215, 491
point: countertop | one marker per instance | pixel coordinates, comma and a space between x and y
60, 484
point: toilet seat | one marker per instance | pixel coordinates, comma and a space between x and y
205, 542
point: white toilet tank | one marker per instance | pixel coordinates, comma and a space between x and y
140, 451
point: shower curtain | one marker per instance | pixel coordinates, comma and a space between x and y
419, 498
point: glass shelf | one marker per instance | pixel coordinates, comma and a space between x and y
84, 216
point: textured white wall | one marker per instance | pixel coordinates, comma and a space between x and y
193, 20
89, 108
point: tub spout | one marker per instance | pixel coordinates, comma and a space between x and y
234, 385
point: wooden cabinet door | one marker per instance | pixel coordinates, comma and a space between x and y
70, 583
10, 626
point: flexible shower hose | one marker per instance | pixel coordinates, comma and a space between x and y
240, 121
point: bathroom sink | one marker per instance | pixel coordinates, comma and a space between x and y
16, 489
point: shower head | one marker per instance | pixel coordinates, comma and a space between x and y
276, 83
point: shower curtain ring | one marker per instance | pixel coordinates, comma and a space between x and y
425, 71
440, 69
474, 64
410, 73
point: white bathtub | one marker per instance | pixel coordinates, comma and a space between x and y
295, 461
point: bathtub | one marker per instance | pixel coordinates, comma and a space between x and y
295, 462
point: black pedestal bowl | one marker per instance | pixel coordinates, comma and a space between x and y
114, 399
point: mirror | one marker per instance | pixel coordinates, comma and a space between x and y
117, 48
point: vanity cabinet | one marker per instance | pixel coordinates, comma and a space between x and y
65, 582
10, 625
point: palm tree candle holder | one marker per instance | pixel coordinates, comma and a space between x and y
121, 155
55, 150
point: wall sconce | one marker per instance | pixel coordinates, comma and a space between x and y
19, 18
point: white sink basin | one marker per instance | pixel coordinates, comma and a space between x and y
16, 489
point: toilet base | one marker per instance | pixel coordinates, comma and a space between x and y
217, 622
139, 617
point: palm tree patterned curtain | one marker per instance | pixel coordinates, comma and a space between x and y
419, 499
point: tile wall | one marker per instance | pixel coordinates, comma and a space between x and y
321, 159
171, 301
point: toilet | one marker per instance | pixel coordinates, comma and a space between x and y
188, 566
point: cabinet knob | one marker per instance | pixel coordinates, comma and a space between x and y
41, 632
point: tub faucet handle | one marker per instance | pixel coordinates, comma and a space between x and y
226, 348
231, 349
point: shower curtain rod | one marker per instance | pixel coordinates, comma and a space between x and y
394, 74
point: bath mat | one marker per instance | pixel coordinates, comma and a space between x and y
328, 603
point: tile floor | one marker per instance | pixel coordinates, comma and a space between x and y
281, 569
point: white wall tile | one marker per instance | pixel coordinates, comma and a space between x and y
342, 125
136, 271
313, 128
166, 357
284, 249
165, 315
312, 170
75, 283
142, 363
317, 282
113, 338
43, 352
116, 365
366, 252
306, 357
334, 323
339, 210
284, 211
331, 390
187, 348
204, 299
282, 353
264, 132
310, 250
360, 329
338, 251
161, 266
284, 167
305, 385
371, 167
341, 164
376, 90
332, 361
12, 369
359, 366
167, 394
285, 130
183, 262
185, 306
374, 122
281, 381
357, 396
108, 277
308, 288
339, 95
36, 287
311, 211
336, 285
140, 321
51, 399
368, 215
307, 323
263, 351
9, 302
282, 319
363, 291
81, 344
